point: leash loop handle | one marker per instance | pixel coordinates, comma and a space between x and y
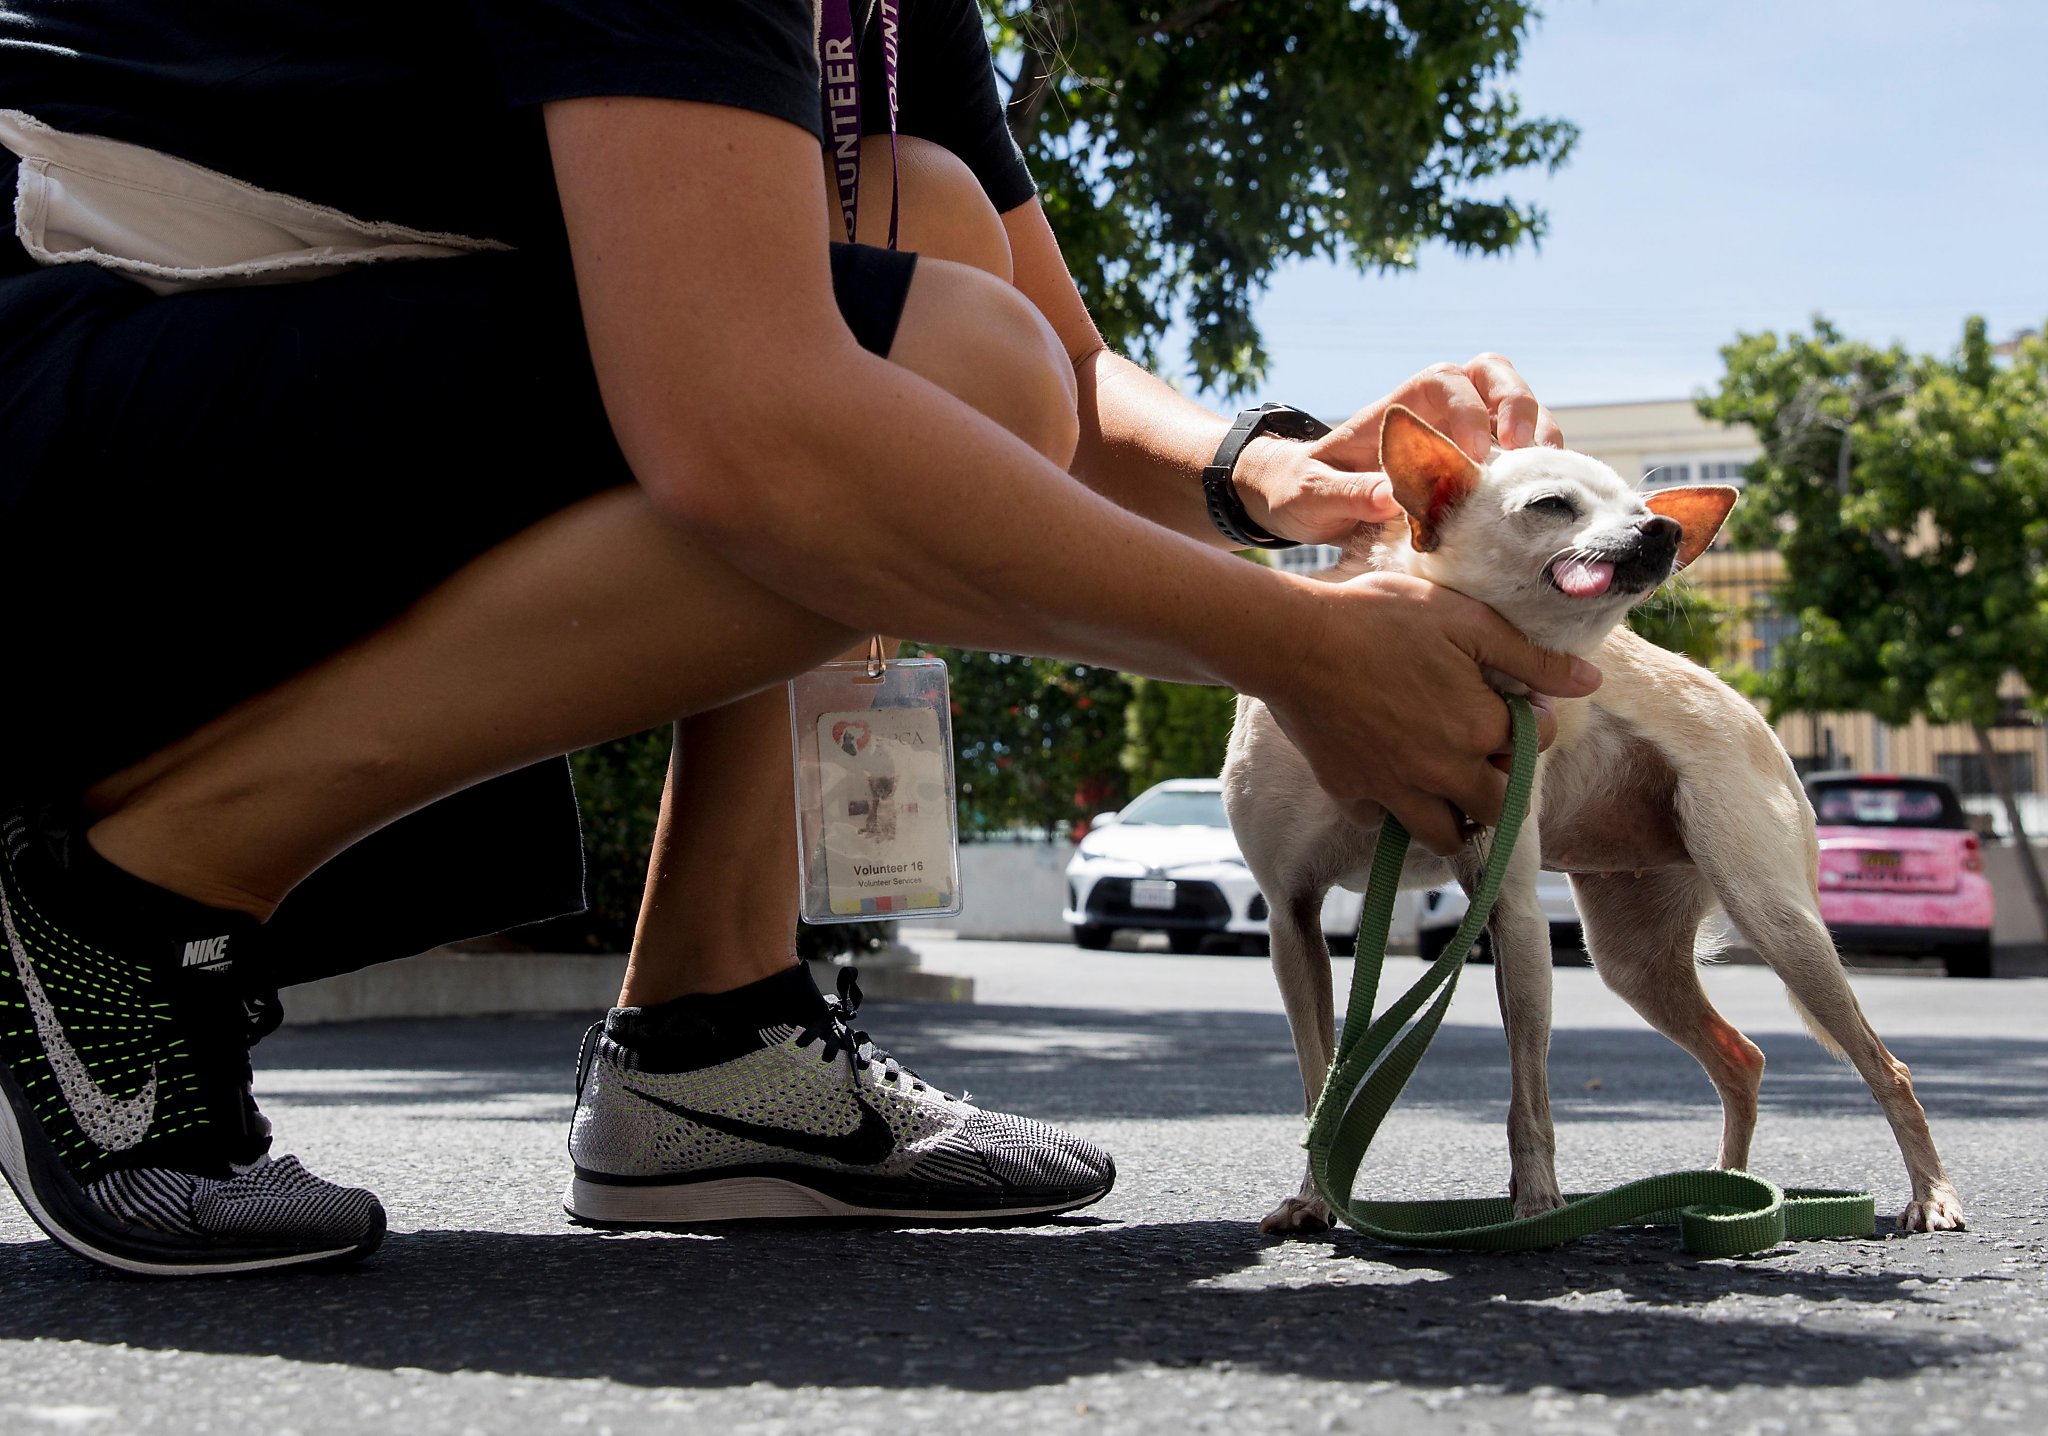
1718, 1213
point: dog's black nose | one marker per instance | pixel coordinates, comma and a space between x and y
1658, 528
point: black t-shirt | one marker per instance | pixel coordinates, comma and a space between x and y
424, 112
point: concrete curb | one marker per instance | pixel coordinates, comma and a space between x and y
500, 984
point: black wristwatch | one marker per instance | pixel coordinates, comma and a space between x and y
1226, 509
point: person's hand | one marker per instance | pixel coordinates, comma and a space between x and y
1321, 491
1386, 699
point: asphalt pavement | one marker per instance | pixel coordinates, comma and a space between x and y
1161, 1309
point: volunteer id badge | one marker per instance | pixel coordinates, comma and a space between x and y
873, 746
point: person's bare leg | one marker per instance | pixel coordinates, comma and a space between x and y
720, 907
600, 621
721, 899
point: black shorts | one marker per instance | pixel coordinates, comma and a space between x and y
201, 495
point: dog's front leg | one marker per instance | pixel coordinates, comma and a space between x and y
1521, 974
1301, 962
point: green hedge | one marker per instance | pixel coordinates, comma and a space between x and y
618, 786
1039, 745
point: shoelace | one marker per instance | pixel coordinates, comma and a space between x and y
834, 1028
218, 1029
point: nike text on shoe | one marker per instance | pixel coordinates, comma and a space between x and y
724, 1122
127, 1129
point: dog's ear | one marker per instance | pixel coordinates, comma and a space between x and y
1430, 474
1700, 511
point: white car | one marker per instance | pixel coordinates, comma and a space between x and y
1169, 863
1443, 907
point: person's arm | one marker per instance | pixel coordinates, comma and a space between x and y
847, 484
1145, 446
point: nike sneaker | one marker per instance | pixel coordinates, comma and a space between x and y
128, 1130
724, 1108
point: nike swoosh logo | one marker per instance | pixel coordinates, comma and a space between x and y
867, 1144
114, 1123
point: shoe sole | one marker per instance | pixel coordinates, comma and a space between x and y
69, 1217
740, 1199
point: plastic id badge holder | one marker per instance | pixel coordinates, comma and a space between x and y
873, 746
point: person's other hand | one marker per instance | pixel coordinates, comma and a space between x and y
1387, 700
1321, 491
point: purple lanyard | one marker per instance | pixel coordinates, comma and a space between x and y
839, 70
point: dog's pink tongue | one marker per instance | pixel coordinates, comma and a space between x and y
1585, 577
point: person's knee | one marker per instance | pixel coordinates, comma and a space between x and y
982, 341
1025, 380
942, 210
964, 326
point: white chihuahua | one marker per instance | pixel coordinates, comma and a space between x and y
1665, 794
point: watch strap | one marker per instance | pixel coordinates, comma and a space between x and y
1219, 488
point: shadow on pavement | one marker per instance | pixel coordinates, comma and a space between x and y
978, 1310
1066, 1064
1005, 1310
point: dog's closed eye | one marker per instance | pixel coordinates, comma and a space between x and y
1554, 505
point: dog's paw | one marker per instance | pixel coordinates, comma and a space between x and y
1940, 1211
1540, 1197
1298, 1217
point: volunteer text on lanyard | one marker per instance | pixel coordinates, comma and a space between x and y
839, 69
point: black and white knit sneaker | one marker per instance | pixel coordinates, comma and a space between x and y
724, 1109
128, 1130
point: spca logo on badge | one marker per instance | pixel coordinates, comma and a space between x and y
852, 737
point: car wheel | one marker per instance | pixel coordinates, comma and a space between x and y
1429, 943
1342, 945
1092, 937
1185, 943
1970, 960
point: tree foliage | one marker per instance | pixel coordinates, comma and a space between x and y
1035, 741
1175, 730
1685, 618
1908, 496
1185, 149
618, 788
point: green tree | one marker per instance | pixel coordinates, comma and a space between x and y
1684, 618
1186, 148
1909, 497
1184, 151
1035, 741
618, 788
1175, 730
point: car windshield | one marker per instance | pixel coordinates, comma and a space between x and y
1176, 808
1881, 807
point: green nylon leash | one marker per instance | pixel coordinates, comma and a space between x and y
1718, 1213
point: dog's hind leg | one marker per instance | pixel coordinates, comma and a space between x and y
1301, 962
1522, 978
1641, 932
1780, 915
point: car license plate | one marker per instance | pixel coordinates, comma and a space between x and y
1153, 894
1880, 860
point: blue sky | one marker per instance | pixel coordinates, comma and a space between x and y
1741, 165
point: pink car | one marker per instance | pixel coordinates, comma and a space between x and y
1900, 870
